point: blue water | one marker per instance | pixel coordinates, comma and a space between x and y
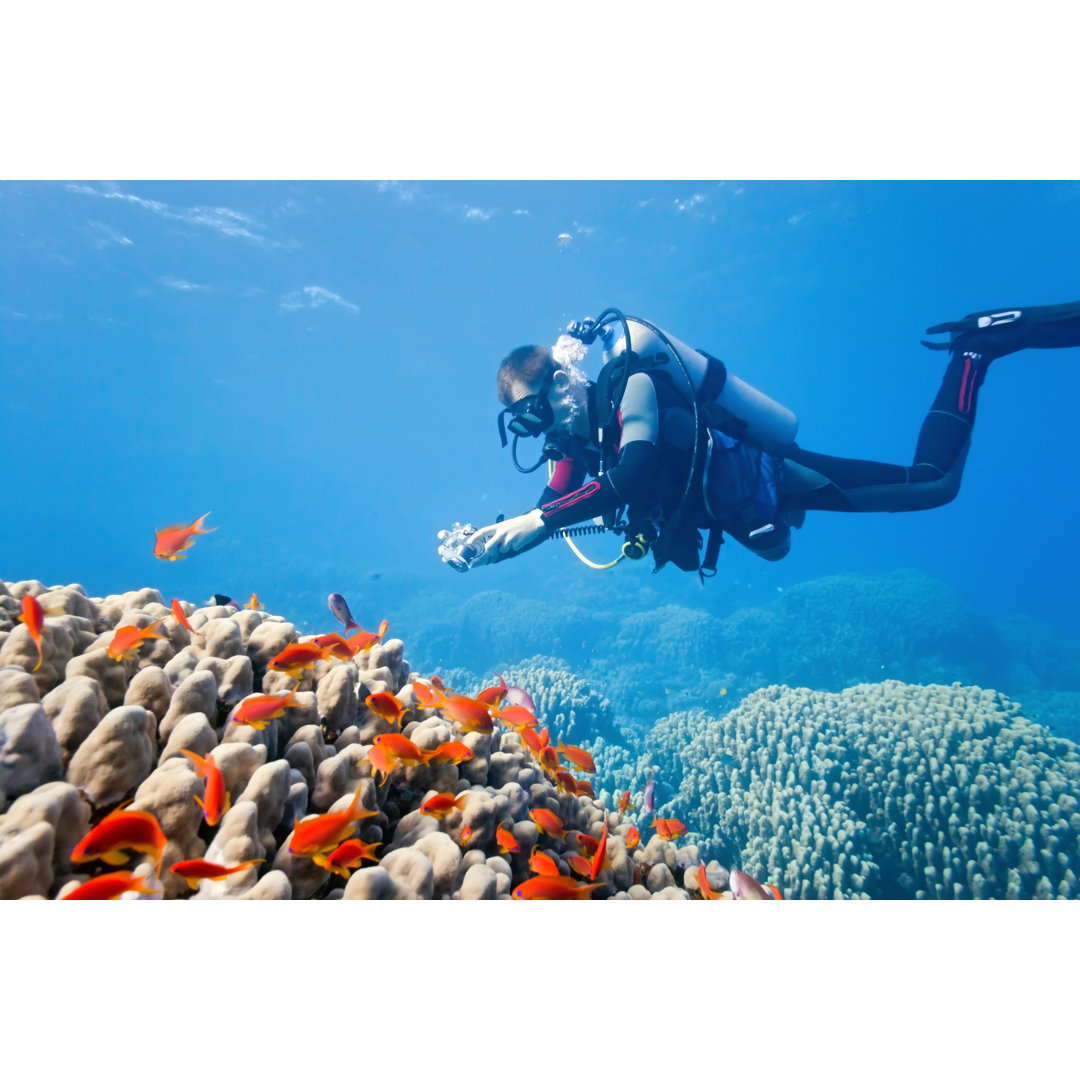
314, 363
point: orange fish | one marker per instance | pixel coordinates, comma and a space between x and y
334, 645
491, 696
624, 802
297, 657
668, 828
390, 748
585, 788
181, 618
33, 616
580, 865
565, 782
516, 716
545, 738
347, 857
581, 759
326, 831
465, 835
176, 538
703, 885
555, 888
387, 706
253, 604
597, 862
123, 830
195, 870
506, 840
632, 838
215, 801
453, 751
429, 696
444, 804
110, 886
469, 714
549, 760
259, 709
586, 844
532, 741
363, 640
127, 640
540, 862
548, 823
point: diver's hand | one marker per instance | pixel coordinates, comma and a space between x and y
507, 537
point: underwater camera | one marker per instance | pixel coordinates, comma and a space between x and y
456, 550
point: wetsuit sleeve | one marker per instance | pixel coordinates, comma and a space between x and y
632, 478
566, 476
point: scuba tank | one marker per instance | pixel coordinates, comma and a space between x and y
757, 417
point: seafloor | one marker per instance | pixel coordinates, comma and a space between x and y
882, 789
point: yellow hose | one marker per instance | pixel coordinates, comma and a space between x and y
574, 548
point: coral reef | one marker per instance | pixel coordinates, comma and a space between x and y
88, 734
883, 790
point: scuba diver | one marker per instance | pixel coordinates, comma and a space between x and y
677, 445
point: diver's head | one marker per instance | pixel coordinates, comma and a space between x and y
538, 394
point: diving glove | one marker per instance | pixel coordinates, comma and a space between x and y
1000, 331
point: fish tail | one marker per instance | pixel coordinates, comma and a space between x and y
40, 656
196, 525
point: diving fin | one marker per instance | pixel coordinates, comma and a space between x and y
999, 331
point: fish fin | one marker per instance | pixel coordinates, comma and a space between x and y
201, 804
196, 525
226, 806
114, 858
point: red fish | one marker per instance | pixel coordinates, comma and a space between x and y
297, 657
633, 838
506, 840
555, 888
123, 830
453, 751
363, 640
540, 862
33, 617
195, 870
110, 886
668, 828
326, 831
585, 788
347, 857
545, 738
387, 706
443, 804
548, 823
174, 539
259, 709
127, 640
581, 759
215, 801
624, 802
703, 884
181, 618
465, 835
